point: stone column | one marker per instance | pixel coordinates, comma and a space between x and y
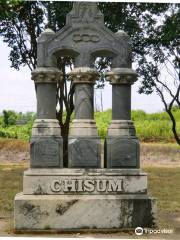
46, 147
84, 143
121, 144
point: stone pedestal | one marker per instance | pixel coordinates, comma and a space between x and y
121, 144
46, 146
84, 143
77, 199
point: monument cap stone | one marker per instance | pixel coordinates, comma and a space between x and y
83, 75
46, 75
121, 76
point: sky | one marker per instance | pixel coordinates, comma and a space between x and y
17, 90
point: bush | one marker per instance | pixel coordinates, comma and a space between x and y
149, 127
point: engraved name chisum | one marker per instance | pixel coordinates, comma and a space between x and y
88, 185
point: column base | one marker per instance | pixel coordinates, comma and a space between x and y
121, 152
78, 212
84, 152
46, 145
121, 148
84, 147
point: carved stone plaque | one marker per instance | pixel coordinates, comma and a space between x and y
122, 152
45, 153
84, 152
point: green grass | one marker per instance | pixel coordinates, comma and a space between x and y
10, 184
164, 184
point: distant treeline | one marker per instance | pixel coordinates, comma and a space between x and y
149, 126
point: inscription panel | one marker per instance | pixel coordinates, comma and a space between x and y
45, 153
122, 152
84, 152
90, 184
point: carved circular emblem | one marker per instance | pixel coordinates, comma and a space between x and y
78, 37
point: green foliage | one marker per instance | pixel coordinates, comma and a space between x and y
149, 126
9, 127
9, 118
102, 121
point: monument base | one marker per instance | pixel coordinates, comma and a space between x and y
78, 212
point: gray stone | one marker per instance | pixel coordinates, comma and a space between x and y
68, 212
121, 148
83, 127
84, 181
85, 38
84, 144
46, 80
46, 152
121, 152
84, 99
46, 145
121, 102
84, 152
46, 100
84, 196
45, 128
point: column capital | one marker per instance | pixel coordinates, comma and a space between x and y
83, 75
121, 76
46, 75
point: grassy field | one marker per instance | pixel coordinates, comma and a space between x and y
164, 184
153, 127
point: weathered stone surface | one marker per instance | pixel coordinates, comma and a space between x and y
82, 181
88, 198
121, 128
121, 148
121, 152
65, 212
84, 144
46, 127
46, 152
46, 100
84, 37
84, 152
46, 80
83, 127
84, 75
121, 76
46, 75
84, 99
121, 102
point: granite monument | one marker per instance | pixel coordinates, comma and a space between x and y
87, 194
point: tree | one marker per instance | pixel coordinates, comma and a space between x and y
23, 21
160, 66
9, 118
